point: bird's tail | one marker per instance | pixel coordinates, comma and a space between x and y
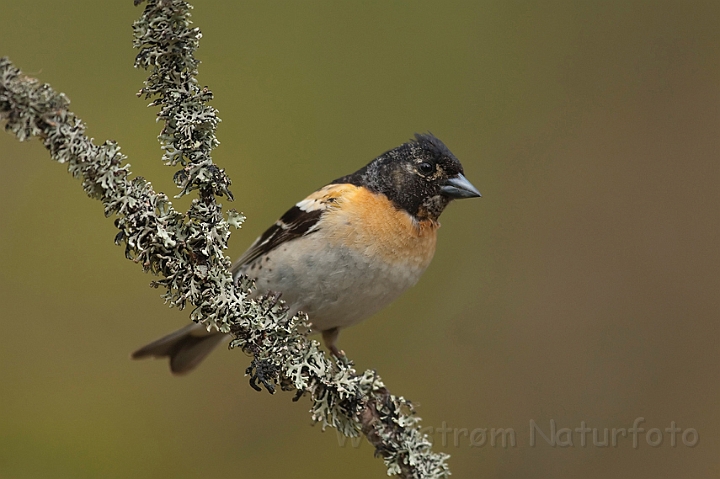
186, 347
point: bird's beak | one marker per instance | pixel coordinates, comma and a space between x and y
459, 187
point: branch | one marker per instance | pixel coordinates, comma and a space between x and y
186, 250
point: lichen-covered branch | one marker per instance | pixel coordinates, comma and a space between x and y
187, 250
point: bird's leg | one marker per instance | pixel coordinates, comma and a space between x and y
272, 297
329, 338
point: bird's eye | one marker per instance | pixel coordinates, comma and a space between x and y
426, 168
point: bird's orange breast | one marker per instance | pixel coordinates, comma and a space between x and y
369, 222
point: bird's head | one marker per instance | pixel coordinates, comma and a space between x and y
421, 177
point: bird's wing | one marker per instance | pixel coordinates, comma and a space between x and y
300, 220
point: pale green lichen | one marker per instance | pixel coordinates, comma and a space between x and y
187, 251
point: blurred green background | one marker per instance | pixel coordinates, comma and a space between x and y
584, 286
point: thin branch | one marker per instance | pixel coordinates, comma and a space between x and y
187, 251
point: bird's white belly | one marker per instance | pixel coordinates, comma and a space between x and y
336, 286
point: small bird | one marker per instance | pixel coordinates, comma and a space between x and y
347, 250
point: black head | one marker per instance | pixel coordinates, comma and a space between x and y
421, 176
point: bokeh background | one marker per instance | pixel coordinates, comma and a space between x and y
583, 286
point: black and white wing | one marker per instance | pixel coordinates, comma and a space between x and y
300, 220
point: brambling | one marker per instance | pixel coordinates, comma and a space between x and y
347, 250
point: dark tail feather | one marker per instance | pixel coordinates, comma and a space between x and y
186, 347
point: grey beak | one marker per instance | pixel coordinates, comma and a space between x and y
459, 187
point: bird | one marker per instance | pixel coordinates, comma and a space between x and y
345, 251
